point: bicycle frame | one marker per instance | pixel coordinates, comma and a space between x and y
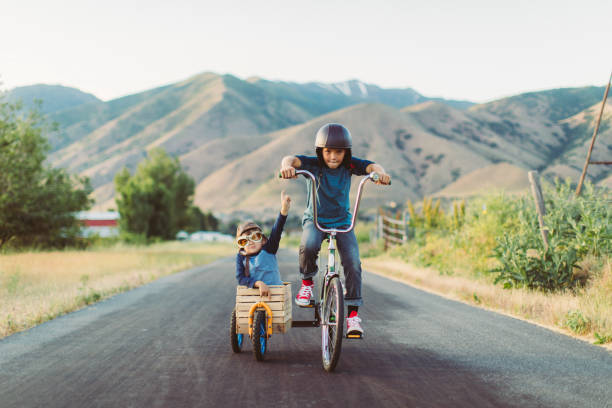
331, 259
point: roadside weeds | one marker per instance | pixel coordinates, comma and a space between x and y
577, 316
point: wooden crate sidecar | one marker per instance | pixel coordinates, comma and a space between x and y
279, 303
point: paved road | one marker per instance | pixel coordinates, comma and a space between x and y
166, 345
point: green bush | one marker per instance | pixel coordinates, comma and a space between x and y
576, 322
576, 226
500, 234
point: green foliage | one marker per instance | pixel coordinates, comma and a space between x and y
196, 220
576, 322
602, 338
458, 215
156, 202
501, 234
577, 227
431, 215
37, 202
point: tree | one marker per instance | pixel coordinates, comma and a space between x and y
199, 221
37, 202
156, 202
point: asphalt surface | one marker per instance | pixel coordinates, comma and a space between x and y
166, 344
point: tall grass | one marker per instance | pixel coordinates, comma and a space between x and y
39, 286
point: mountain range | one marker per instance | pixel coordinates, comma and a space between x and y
230, 135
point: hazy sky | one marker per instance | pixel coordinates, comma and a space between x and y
470, 49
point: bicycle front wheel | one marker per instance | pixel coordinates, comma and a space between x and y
332, 323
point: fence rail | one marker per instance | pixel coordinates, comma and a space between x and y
392, 228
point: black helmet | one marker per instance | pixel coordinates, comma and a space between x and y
335, 136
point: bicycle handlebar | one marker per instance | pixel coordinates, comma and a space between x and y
372, 176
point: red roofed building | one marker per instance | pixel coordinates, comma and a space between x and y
104, 224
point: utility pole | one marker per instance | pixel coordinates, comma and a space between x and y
588, 159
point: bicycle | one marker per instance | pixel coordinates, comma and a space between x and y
328, 310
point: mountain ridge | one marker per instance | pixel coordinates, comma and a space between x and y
230, 134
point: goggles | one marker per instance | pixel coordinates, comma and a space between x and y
254, 236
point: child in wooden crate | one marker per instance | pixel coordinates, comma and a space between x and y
256, 265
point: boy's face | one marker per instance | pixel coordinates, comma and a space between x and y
333, 157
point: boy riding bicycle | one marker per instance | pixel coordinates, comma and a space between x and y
333, 167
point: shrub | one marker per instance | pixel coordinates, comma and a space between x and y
577, 227
576, 322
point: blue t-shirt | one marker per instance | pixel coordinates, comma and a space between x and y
334, 185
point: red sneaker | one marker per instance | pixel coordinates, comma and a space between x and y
304, 295
353, 327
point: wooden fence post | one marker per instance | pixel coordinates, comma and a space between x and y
536, 191
380, 224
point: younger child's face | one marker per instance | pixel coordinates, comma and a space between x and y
333, 157
253, 247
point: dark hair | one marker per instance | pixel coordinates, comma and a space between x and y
346, 161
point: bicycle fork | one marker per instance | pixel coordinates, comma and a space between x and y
329, 274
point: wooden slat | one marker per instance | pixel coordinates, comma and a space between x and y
275, 319
242, 300
274, 290
255, 299
390, 230
393, 221
393, 239
276, 328
274, 306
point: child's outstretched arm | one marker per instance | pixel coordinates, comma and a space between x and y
377, 168
275, 235
288, 166
285, 203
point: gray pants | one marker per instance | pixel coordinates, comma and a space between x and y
349, 254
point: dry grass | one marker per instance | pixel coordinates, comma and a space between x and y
39, 286
580, 315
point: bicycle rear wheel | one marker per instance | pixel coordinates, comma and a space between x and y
332, 324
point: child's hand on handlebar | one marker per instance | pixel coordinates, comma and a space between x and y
381, 178
384, 178
288, 172
285, 203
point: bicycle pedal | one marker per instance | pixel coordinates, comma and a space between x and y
311, 304
354, 336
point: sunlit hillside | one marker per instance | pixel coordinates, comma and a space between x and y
230, 135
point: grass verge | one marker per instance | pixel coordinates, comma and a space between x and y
586, 314
39, 286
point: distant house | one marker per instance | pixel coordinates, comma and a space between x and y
210, 236
102, 223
